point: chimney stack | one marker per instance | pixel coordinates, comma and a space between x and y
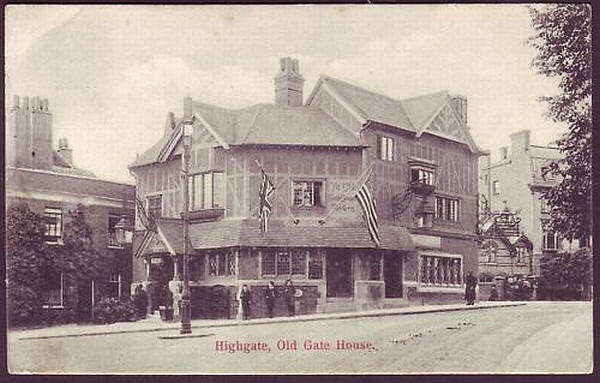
64, 150
503, 153
289, 83
187, 107
460, 105
519, 141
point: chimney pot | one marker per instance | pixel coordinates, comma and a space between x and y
16, 101
26, 102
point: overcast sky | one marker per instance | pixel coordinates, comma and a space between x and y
111, 73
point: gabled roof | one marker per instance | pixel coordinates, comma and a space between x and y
370, 105
412, 114
262, 124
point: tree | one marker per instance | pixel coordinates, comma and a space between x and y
26, 256
567, 275
563, 41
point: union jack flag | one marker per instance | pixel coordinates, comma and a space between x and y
265, 191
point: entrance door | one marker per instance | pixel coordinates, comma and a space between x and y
339, 274
392, 275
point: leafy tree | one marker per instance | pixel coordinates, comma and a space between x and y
563, 41
26, 256
567, 275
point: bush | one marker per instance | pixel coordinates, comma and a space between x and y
111, 310
23, 304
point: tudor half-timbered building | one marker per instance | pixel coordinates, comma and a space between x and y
422, 166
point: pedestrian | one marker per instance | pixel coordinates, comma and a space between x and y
246, 299
270, 295
289, 294
471, 283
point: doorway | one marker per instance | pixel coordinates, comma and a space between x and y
339, 273
392, 275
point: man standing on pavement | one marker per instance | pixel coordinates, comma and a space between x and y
246, 299
289, 293
471, 283
270, 295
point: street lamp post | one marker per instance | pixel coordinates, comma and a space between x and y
186, 325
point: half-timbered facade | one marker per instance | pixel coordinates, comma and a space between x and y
424, 181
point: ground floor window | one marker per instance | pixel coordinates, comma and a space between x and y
315, 264
292, 262
222, 263
53, 289
114, 285
437, 270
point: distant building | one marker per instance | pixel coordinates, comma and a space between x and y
518, 180
424, 183
48, 181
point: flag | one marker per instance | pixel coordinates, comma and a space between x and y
367, 203
146, 219
265, 191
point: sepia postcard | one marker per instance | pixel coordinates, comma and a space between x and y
298, 189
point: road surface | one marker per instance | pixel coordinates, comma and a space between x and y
539, 337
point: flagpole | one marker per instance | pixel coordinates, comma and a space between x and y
364, 177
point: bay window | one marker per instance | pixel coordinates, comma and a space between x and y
207, 190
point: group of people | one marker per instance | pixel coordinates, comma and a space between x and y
289, 294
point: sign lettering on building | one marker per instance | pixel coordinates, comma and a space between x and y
340, 188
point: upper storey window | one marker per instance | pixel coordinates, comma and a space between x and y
207, 190
307, 193
155, 206
385, 148
53, 224
496, 187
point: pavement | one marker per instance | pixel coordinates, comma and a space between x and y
154, 323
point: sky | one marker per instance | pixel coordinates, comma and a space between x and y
112, 73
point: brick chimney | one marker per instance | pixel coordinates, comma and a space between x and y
64, 150
289, 83
30, 134
460, 105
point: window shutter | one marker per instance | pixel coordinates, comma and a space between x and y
379, 147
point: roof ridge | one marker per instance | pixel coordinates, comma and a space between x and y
445, 92
326, 77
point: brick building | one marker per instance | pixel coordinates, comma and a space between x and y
48, 181
424, 181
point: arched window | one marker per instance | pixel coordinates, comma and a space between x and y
490, 251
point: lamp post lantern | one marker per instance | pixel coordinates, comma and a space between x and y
186, 325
